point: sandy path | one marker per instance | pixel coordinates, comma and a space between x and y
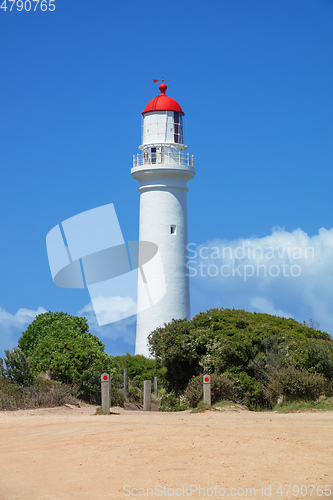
64, 453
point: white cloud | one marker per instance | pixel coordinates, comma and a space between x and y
13, 325
261, 304
284, 273
110, 311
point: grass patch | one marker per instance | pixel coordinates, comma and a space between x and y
99, 411
224, 406
228, 406
321, 404
202, 407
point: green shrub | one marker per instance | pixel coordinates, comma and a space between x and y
295, 384
320, 357
90, 389
221, 388
137, 381
43, 393
252, 393
171, 402
328, 388
250, 347
139, 369
249, 391
17, 367
117, 397
179, 352
63, 344
10, 395
135, 394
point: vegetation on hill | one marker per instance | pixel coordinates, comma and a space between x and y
62, 344
262, 356
254, 359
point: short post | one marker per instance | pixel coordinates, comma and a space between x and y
105, 391
126, 381
147, 395
155, 387
206, 390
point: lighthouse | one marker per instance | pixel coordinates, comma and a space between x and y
163, 169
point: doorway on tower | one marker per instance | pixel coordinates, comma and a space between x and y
156, 155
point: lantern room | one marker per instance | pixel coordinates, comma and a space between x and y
162, 127
162, 133
162, 120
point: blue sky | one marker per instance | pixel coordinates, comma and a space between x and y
255, 80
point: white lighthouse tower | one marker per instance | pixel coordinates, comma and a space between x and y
163, 170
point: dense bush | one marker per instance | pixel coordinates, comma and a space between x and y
295, 385
320, 357
178, 349
171, 402
16, 367
45, 323
139, 369
90, 389
135, 394
117, 397
221, 388
250, 391
250, 348
63, 344
328, 389
10, 395
40, 394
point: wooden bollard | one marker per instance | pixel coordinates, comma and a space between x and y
126, 381
147, 395
105, 392
155, 387
206, 390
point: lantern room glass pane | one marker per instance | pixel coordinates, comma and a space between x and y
178, 128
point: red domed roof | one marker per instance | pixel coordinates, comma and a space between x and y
162, 103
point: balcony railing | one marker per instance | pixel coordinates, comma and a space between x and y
166, 158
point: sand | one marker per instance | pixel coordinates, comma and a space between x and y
70, 453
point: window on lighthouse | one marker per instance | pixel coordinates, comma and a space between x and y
173, 229
178, 128
153, 155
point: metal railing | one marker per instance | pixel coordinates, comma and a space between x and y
166, 158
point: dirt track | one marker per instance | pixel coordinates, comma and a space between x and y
68, 453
